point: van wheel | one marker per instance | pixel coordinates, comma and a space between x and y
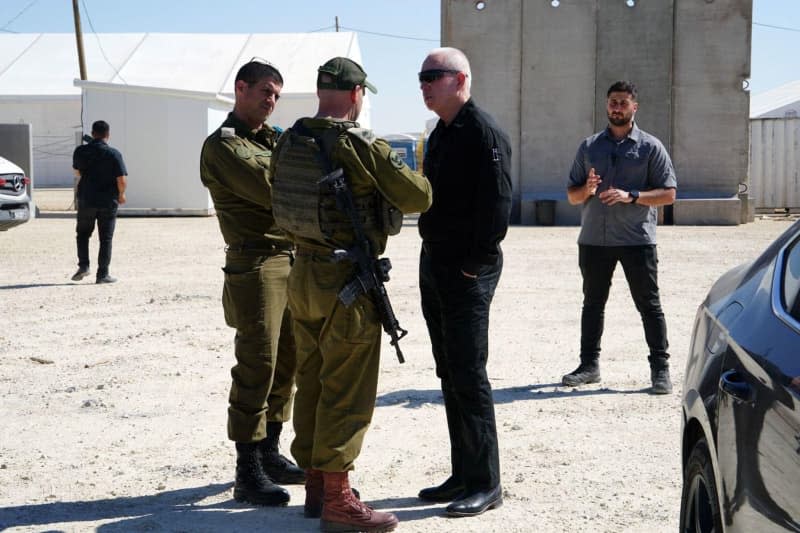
699, 503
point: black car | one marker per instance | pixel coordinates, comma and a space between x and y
741, 399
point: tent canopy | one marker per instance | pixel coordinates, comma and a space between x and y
775, 102
45, 64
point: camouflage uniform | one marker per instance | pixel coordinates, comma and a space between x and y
234, 166
338, 347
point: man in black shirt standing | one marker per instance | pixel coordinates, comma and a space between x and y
468, 164
101, 188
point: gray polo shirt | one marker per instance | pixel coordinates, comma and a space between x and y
637, 162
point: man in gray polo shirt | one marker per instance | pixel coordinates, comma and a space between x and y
620, 175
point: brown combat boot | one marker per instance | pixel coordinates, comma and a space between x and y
343, 511
314, 493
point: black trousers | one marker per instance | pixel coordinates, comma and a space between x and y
106, 219
640, 264
456, 310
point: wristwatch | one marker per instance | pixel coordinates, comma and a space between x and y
634, 196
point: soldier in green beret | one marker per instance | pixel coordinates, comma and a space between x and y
234, 166
338, 345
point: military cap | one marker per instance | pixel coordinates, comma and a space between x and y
341, 73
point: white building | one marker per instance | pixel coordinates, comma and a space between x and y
775, 148
162, 94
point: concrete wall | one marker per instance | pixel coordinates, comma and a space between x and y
16, 145
711, 116
495, 59
554, 115
543, 71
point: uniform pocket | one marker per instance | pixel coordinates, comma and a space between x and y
356, 324
363, 319
241, 297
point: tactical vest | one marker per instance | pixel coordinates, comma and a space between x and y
300, 205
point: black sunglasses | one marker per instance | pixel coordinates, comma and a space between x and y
430, 76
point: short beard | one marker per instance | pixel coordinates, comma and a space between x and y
622, 121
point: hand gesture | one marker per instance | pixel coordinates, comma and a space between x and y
613, 196
592, 182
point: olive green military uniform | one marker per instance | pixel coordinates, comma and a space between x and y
234, 165
338, 347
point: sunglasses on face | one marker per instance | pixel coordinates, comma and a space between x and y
430, 76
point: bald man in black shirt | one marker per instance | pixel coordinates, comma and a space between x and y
468, 164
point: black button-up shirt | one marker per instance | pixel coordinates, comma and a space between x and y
100, 166
637, 162
469, 166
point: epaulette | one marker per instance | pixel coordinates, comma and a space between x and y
364, 134
227, 133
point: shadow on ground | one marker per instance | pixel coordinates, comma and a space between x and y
183, 510
177, 510
416, 398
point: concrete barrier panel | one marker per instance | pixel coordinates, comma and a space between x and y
712, 58
558, 73
635, 43
491, 37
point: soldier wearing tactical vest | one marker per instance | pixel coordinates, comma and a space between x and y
338, 346
234, 166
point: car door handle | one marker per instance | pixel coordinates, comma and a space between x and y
732, 383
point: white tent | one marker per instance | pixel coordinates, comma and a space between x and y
780, 102
38, 72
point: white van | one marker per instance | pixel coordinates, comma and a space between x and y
14, 195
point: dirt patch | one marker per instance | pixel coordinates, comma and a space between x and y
113, 397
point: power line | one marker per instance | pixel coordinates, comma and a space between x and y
96, 36
18, 15
321, 29
776, 27
393, 36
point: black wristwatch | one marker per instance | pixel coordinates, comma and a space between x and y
634, 196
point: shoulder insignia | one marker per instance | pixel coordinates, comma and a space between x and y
395, 160
363, 134
227, 133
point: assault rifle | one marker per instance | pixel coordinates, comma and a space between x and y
371, 273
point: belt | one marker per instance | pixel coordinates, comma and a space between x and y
264, 248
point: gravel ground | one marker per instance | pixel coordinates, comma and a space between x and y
113, 397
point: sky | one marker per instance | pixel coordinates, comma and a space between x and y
394, 35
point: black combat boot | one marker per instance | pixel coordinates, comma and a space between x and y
659, 377
252, 484
276, 466
587, 372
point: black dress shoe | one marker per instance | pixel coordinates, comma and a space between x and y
446, 492
476, 503
80, 274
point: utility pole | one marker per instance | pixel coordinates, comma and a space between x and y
337, 23
79, 38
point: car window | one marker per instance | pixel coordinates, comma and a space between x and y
791, 281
